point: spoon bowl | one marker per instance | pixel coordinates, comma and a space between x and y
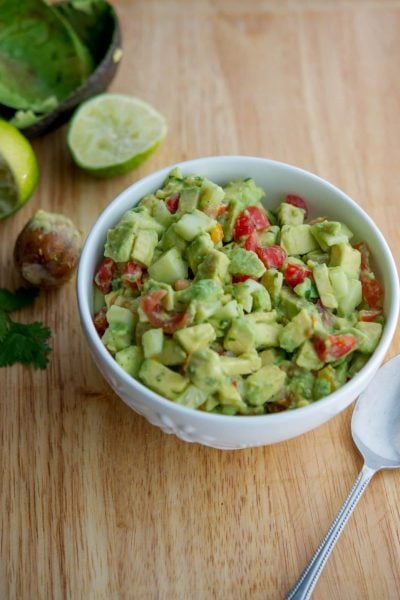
375, 427
375, 424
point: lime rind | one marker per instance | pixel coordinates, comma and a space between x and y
19, 171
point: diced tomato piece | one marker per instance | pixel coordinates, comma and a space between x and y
104, 275
239, 278
297, 201
272, 256
334, 346
100, 321
249, 220
372, 292
173, 203
133, 275
370, 315
243, 226
295, 274
158, 316
252, 242
258, 217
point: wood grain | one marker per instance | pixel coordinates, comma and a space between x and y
95, 502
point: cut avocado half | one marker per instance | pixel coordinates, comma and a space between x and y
91, 29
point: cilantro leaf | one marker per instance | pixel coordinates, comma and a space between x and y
21, 297
25, 343
4, 322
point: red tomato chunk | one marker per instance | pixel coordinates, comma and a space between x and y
295, 274
249, 220
104, 275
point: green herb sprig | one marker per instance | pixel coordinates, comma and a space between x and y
24, 343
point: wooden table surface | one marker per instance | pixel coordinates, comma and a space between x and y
95, 502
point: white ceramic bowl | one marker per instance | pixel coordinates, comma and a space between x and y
229, 432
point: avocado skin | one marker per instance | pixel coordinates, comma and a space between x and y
96, 83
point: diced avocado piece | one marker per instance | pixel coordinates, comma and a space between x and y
143, 246
322, 387
266, 329
368, 335
346, 257
240, 336
188, 200
224, 313
339, 281
139, 218
328, 375
169, 267
171, 239
297, 239
204, 370
300, 328
357, 362
130, 359
198, 249
290, 215
245, 191
272, 356
252, 295
118, 334
348, 303
161, 379
290, 304
152, 342
261, 298
211, 404
172, 353
190, 225
245, 262
325, 290
269, 236
264, 384
215, 265
307, 358
211, 197
245, 363
316, 256
329, 233
192, 397
119, 242
273, 280
306, 289
195, 337
229, 395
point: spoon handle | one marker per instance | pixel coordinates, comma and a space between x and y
307, 580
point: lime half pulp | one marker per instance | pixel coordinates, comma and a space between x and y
18, 169
111, 134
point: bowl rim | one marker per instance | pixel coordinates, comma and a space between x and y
352, 387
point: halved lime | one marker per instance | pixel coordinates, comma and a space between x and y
19, 171
111, 134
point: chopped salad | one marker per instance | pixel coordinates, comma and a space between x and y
220, 304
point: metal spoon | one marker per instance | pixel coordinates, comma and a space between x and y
375, 427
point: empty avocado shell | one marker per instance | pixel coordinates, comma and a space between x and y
92, 27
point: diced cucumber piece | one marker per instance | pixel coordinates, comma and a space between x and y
152, 342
